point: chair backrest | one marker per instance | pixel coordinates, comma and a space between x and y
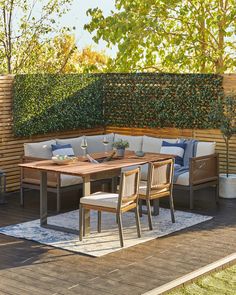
129, 186
160, 176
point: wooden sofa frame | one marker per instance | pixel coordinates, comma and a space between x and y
203, 172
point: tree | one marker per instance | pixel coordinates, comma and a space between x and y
25, 26
169, 35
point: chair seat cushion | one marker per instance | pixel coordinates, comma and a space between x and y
183, 179
67, 180
101, 199
143, 189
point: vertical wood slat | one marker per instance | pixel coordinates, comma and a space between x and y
11, 147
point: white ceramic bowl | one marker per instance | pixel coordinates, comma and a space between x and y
63, 161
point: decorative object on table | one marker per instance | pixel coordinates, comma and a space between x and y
109, 158
91, 159
84, 146
63, 160
105, 143
99, 244
225, 114
139, 154
120, 146
2, 188
62, 150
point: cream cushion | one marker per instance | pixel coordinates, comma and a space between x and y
74, 142
183, 179
205, 148
41, 149
67, 180
101, 199
153, 144
135, 142
95, 143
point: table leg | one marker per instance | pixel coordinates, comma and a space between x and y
86, 192
43, 198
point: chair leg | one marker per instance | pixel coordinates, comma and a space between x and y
99, 221
149, 214
137, 222
217, 194
140, 208
58, 200
80, 222
120, 230
172, 210
22, 197
191, 198
156, 207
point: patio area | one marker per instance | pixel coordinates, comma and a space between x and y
31, 268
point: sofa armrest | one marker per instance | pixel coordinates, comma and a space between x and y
203, 169
33, 176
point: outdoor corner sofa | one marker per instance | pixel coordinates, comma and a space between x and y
203, 169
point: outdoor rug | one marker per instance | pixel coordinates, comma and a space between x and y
99, 244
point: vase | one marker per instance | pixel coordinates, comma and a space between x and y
120, 152
228, 186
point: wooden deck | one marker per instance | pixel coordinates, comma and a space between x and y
30, 268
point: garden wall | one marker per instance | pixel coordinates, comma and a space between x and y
11, 146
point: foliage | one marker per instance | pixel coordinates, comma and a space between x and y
49, 103
25, 27
120, 144
169, 36
61, 55
224, 112
161, 100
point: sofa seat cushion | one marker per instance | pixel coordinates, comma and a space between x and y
183, 179
135, 142
205, 148
74, 142
41, 149
153, 144
95, 143
101, 199
67, 180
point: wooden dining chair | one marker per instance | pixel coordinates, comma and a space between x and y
159, 184
125, 200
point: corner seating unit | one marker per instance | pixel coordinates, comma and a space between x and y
203, 170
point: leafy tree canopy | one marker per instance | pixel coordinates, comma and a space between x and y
169, 35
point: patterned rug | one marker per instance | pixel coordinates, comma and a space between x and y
99, 244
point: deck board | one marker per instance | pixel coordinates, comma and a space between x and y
30, 268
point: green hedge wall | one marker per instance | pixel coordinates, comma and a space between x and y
161, 100
48, 103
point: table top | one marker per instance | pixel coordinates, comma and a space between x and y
82, 167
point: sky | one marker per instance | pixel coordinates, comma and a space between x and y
77, 17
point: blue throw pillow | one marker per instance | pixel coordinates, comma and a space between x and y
62, 150
176, 149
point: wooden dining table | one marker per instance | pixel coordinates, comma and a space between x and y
89, 172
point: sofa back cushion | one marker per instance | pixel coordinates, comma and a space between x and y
176, 149
41, 149
205, 148
153, 144
135, 142
62, 150
74, 142
95, 143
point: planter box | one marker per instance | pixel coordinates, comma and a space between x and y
228, 186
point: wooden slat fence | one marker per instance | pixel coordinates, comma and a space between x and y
11, 147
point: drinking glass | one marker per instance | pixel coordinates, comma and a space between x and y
105, 143
84, 146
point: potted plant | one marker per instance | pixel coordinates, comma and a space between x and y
120, 146
225, 114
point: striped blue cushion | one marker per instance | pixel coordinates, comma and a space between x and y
176, 149
62, 150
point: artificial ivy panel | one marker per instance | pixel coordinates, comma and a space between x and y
48, 103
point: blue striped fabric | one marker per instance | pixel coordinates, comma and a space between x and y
62, 150
176, 149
